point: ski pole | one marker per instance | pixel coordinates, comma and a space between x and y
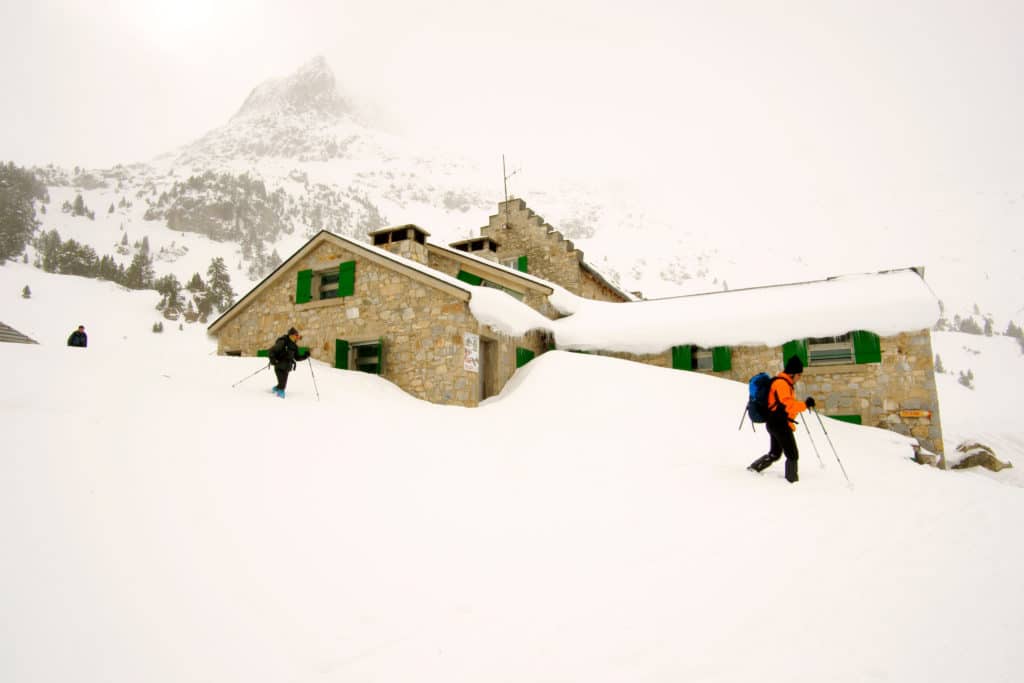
314, 379
752, 427
249, 376
814, 445
833, 447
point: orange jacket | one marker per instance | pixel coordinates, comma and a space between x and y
782, 392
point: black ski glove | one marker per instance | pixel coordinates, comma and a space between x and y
810, 402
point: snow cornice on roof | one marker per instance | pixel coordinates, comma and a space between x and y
886, 303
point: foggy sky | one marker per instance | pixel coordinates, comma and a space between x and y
835, 99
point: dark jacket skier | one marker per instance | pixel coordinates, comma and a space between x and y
283, 355
78, 337
783, 407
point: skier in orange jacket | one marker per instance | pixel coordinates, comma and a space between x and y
783, 407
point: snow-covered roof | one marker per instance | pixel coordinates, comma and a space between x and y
885, 303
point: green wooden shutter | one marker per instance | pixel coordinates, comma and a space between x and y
469, 278
347, 278
797, 347
380, 356
867, 347
523, 356
263, 353
852, 419
521, 265
682, 357
304, 287
341, 354
721, 359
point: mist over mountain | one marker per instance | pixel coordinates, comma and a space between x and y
296, 158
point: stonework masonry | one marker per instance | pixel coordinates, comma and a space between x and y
533, 299
898, 394
421, 327
519, 231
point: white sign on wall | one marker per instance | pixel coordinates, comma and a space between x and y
471, 351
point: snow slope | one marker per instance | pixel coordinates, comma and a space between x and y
593, 523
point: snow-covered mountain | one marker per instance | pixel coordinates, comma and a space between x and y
298, 157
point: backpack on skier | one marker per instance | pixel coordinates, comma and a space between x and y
759, 387
757, 403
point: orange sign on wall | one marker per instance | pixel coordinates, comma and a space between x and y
915, 413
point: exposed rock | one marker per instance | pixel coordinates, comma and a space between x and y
979, 455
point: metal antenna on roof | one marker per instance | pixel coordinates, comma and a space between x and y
506, 175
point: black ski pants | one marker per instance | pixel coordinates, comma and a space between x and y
782, 441
282, 377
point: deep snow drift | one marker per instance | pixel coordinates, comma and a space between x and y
592, 523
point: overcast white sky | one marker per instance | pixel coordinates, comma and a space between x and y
828, 97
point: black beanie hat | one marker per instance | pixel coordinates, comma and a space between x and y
794, 366
292, 330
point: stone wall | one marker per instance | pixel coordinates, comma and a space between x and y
891, 394
549, 255
422, 327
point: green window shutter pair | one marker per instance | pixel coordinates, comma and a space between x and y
368, 357
469, 278
682, 357
304, 287
852, 419
263, 353
521, 264
346, 282
867, 347
523, 356
797, 347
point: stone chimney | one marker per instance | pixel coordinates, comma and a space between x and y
483, 247
408, 241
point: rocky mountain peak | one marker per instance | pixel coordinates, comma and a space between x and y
310, 89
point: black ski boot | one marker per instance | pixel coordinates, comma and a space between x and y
761, 463
791, 474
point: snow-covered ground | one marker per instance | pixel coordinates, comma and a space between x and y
592, 523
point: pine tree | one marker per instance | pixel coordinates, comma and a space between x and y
18, 223
195, 284
140, 272
170, 288
26, 293
938, 365
218, 286
48, 245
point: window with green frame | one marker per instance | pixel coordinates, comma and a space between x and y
364, 356
692, 357
854, 347
329, 284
